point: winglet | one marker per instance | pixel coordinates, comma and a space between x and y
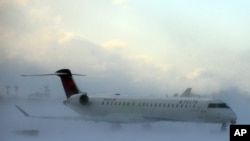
21, 110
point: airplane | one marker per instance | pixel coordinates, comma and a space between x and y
186, 93
117, 109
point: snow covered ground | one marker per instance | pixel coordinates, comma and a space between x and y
12, 122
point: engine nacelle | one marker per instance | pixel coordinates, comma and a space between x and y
77, 99
84, 99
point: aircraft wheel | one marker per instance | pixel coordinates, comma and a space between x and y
224, 126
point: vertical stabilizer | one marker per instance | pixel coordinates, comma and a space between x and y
68, 83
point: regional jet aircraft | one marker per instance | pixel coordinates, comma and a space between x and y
118, 109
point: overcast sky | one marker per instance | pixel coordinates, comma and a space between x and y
129, 46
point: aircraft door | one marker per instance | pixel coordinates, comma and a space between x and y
202, 109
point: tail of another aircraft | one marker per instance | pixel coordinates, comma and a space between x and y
186, 93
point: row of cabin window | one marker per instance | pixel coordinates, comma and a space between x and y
148, 104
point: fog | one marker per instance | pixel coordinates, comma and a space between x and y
142, 48
14, 125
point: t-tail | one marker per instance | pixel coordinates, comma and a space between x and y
67, 80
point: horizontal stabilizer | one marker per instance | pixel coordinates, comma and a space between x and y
59, 74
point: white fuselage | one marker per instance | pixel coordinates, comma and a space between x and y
121, 109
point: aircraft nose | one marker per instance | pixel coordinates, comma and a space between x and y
233, 117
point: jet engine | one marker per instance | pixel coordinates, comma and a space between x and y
78, 99
84, 99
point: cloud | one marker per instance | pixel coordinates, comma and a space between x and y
196, 73
141, 57
119, 2
35, 36
114, 44
67, 36
18, 2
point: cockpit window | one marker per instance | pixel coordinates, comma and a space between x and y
217, 105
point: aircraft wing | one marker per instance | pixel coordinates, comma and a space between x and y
48, 117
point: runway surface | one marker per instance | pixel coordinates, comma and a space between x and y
15, 126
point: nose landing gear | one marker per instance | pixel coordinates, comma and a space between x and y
233, 122
224, 126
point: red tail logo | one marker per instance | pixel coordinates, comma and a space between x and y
68, 83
